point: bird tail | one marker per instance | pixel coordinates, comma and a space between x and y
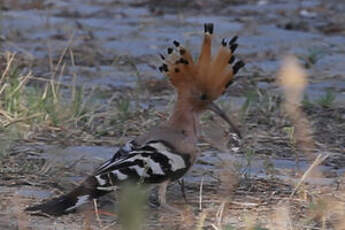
70, 201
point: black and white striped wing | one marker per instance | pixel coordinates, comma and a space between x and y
121, 154
153, 162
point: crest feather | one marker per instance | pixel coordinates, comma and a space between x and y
212, 75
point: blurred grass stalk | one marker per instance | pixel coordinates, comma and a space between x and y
132, 200
293, 80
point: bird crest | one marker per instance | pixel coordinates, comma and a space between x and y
211, 75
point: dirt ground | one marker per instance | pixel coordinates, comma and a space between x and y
112, 48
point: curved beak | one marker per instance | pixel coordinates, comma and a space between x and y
213, 107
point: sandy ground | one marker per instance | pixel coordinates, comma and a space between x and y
115, 45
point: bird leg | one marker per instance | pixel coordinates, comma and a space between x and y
162, 193
181, 183
162, 198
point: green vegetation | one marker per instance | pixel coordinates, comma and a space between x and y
306, 103
260, 100
37, 104
312, 57
29, 103
290, 132
327, 100
249, 157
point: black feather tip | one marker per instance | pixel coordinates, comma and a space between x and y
176, 43
238, 65
163, 68
184, 61
232, 59
233, 40
229, 83
162, 56
233, 47
208, 28
223, 42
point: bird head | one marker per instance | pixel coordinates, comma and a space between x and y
200, 82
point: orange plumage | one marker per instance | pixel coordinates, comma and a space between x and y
209, 76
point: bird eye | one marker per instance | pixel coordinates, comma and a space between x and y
203, 97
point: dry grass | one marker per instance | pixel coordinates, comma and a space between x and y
213, 207
32, 107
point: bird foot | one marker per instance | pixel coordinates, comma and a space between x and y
170, 209
153, 202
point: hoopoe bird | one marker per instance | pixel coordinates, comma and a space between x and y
167, 152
